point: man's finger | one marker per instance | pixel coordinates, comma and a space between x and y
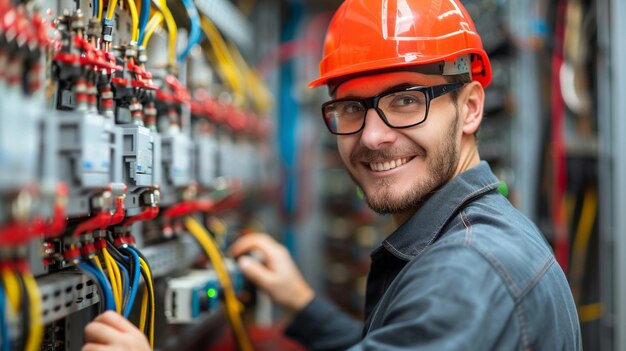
116, 321
95, 347
250, 242
100, 333
255, 271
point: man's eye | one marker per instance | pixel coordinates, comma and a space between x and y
404, 100
352, 108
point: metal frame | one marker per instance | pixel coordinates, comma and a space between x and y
526, 151
615, 197
612, 169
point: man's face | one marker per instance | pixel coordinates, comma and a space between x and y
398, 168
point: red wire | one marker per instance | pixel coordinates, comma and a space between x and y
148, 214
561, 237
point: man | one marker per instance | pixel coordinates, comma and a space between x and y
464, 269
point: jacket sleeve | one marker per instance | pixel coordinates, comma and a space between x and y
321, 326
449, 298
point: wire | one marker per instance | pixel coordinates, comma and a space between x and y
5, 337
153, 24
35, 334
195, 33
96, 260
172, 30
233, 306
96, 5
148, 302
111, 10
134, 286
114, 279
143, 18
13, 290
123, 265
144, 309
100, 9
107, 291
224, 61
149, 295
134, 34
581, 241
24, 313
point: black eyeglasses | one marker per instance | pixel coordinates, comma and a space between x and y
398, 108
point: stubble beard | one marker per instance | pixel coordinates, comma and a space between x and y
440, 165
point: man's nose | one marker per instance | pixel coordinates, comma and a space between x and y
376, 134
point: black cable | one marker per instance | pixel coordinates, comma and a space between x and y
118, 256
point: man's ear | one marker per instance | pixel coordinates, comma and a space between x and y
471, 103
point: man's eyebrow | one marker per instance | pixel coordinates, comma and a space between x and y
391, 88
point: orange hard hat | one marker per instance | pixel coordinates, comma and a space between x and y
368, 36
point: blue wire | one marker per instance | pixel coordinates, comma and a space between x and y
5, 337
109, 301
143, 18
95, 8
135, 284
195, 34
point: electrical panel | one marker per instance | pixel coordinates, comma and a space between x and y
117, 125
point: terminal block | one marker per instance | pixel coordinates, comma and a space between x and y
205, 154
141, 154
176, 155
19, 135
88, 146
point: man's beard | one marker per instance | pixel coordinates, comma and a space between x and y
440, 165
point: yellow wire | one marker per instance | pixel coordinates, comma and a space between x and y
225, 63
36, 324
581, 242
100, 9
12, 288
589, 313
152, 25
144, 310
114, 282
111, 9
150, 287
134, 34
96, 259
259, 93
117, 275
233, 306
172, 30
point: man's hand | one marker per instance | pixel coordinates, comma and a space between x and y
276, 274
112, 332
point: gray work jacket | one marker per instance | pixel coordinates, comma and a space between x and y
466, 272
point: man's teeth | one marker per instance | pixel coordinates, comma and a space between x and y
388, 165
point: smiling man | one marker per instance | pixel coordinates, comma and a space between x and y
463, 270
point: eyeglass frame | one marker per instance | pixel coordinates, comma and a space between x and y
430, 92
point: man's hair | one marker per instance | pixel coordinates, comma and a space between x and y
458, 78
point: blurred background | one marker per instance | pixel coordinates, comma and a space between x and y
119, 119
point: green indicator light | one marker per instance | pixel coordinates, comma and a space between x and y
211, 293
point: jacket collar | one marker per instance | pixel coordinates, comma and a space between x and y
424, 227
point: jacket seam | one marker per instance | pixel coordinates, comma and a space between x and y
505, 275
521, 315
462, 203
468, 227
549, 262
